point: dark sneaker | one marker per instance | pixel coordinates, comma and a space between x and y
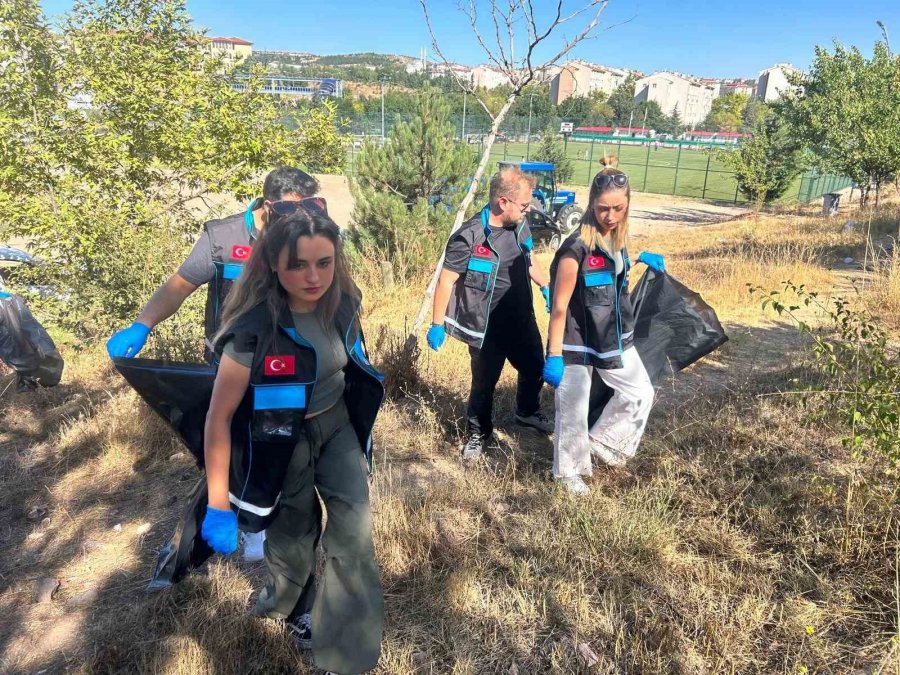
537, 421
473, 447
300, 630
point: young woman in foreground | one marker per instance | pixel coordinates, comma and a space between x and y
291, 415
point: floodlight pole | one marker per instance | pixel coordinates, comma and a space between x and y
528, 140
465, 100
884, 32
382, 109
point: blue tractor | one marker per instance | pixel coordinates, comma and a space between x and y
553, 211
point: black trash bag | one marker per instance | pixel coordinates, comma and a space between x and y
673, 328
178, 392
186, 549
26, 347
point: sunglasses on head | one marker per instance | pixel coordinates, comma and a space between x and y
602, 181
286, 208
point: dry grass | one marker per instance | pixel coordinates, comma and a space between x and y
733, 543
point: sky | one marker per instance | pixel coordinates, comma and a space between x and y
704, 38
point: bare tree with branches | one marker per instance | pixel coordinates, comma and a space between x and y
507, 18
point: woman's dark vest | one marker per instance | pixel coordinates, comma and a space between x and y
269, 420
469, 307
599, 319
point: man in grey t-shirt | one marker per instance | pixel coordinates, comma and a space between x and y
215, 261
284, 184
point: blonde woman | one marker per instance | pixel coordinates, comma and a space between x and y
591, 335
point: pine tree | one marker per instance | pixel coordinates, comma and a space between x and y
407, 188
551, 149
674, 123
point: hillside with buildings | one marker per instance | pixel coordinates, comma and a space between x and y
684, 98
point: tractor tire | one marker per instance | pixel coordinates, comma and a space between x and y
554, 242
535, 217
568, 217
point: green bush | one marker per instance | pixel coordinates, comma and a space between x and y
860, 370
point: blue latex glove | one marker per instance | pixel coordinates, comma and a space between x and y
653, 260
545, 291
128, 341
553, 370
436, 336
220, 530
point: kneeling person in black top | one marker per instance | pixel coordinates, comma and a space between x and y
292, 411
484, 298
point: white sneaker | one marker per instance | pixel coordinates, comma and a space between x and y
606, 454
575, 485
254, 550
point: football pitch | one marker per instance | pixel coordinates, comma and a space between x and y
685, 171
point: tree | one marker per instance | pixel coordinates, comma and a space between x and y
550, 148
589, 110
754, 111
113, 130
601, 112
673, 122
727, 113
520, 71
651, 116
622, 101
847, 110
406, 188
320, 144
765, 164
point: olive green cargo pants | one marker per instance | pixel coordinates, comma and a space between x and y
348, 609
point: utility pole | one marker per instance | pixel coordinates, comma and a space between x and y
465, 97
528, 141
382, 109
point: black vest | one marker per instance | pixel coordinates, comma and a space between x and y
231, 240
599, 318
469, 307
269, 420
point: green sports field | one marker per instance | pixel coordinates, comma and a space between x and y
685, 171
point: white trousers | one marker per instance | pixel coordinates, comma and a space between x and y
621, 424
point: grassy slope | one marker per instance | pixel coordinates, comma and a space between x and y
731, 544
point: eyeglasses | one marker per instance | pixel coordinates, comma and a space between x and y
524, 206
603, 180
286, 208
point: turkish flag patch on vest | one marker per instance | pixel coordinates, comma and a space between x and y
239, 252
595, 262
481, 251
280, 365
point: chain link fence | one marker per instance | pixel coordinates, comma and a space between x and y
675, 167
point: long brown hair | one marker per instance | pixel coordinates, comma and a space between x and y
591, 234
259, 283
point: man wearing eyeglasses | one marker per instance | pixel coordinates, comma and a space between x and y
483, 298
217, 259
